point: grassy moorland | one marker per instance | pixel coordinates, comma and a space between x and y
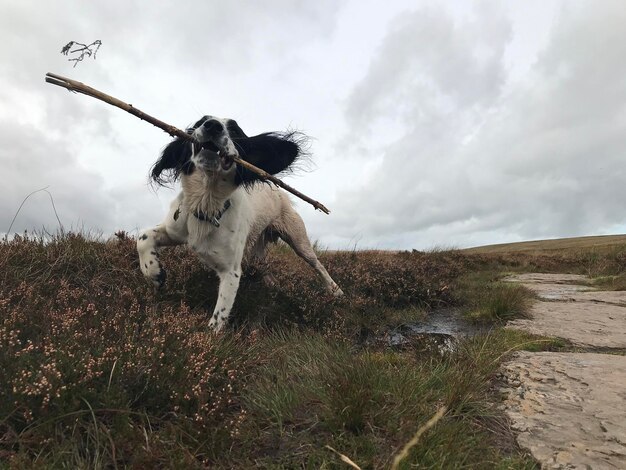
99, 371
600, 243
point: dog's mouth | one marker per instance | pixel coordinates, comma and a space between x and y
211, 146
214, 157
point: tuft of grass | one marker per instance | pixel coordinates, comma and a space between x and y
488, 299
504, 301
367, 404
523, 341
617, 282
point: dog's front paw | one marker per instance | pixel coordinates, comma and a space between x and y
155, 273
160, 278
215, 324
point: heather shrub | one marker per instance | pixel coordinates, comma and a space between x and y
84, 336
374, 284
97, 370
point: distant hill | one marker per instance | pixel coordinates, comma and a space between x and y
601, 242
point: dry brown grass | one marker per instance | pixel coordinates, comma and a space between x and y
599, 243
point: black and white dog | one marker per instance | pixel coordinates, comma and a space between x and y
221, 213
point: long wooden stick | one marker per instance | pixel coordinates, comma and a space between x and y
79, 87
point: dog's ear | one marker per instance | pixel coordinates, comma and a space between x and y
175, 159
273, 152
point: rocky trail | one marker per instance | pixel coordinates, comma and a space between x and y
569, 408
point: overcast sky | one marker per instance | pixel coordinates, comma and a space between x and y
434, 123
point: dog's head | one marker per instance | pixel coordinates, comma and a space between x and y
221, 140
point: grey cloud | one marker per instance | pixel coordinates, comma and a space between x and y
30, 161
81, 197
138, 206
540, 161
428, 64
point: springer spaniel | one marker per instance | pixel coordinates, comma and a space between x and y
221, 213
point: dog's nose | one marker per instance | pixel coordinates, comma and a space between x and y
213, 126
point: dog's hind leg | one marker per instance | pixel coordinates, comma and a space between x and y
257, 256
293, 232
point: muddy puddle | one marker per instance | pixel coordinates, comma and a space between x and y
440, 331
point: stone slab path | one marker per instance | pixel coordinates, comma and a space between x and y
569, 409
586, 318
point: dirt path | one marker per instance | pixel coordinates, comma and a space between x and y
569, 409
